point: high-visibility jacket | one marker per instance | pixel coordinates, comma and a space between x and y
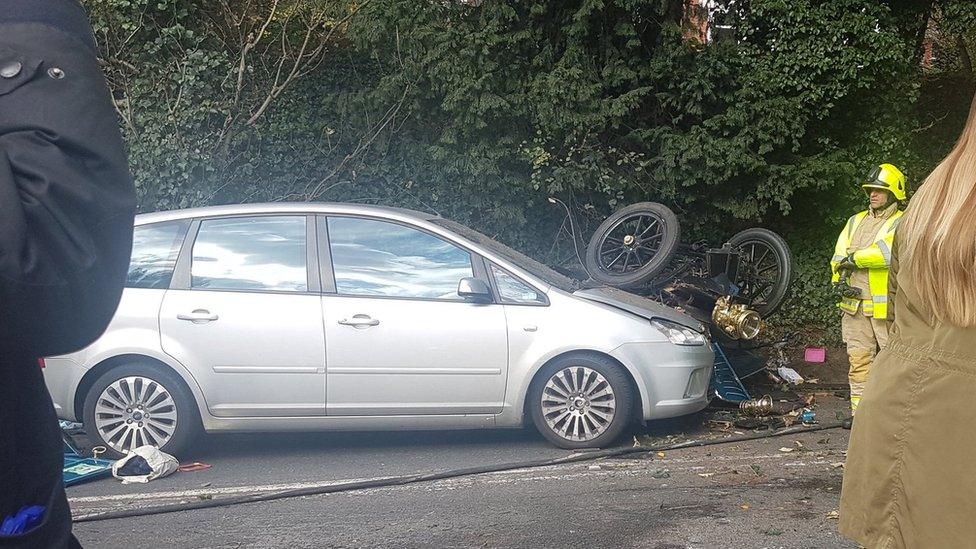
876, 258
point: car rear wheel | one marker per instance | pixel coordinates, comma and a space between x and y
581, 401
137, 405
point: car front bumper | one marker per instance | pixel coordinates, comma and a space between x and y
673, 379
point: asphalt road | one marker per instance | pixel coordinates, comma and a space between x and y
265, 462
736, 495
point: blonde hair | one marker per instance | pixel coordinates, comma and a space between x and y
937, 238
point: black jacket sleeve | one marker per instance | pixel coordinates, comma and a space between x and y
66, 196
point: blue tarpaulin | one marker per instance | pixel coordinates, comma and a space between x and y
726, 384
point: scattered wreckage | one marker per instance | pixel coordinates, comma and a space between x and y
730, 288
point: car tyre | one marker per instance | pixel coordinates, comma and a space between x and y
138, 404
581, 401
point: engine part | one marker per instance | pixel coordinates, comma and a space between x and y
736, 320
757, 406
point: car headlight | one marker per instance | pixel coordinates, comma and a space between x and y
678, 334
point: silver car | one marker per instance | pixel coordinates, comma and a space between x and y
349, 317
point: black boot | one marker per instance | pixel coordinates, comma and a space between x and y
848, 423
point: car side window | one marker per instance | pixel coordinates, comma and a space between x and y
251, 254
514, 291
379, 258
155, 248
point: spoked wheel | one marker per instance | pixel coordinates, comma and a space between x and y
765, 269
581, 402
633, 245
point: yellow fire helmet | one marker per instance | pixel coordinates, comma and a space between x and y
887, 178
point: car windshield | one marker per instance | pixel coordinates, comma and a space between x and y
534, 267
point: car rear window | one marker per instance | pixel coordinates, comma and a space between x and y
155, 248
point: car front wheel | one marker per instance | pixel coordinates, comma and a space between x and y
137, 405
582, 401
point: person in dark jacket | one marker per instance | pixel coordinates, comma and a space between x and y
66, 212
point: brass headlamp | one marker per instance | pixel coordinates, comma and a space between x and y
735, 320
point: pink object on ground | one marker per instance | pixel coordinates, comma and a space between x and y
195, 466
817, 355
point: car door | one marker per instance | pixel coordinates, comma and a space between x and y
400, 341
244, 315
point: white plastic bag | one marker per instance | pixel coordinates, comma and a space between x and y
161, 463
790, 375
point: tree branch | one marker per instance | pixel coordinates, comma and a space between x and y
249, 45
320, 187
302, 61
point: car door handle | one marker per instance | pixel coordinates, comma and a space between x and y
199, 316
359, 321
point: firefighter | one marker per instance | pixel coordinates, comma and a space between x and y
860, 266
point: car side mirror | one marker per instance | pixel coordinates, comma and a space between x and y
474, 289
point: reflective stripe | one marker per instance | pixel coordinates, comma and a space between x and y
885, 251
839, 258
851, 225
888, 228
879, 298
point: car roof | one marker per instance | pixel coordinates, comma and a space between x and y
284, 208
427, 220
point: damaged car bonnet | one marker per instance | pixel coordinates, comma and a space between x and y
640, 306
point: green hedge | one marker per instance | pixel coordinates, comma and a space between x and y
481, 110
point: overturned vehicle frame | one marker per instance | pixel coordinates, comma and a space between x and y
732, 288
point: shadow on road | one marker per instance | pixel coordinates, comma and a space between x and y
215, 445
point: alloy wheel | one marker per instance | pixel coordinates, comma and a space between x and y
578, 404
135, 411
